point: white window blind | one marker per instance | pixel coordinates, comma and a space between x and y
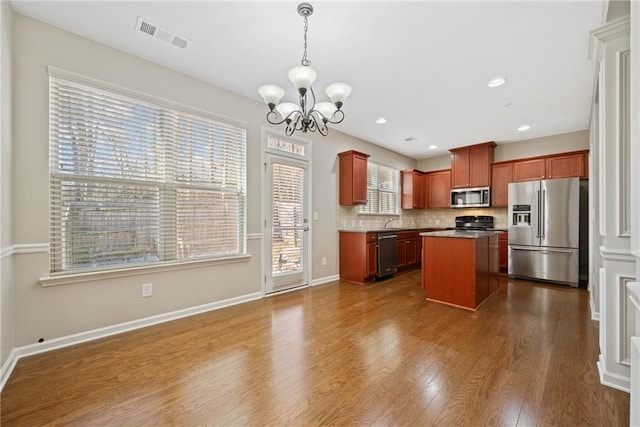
382, 190
137, 183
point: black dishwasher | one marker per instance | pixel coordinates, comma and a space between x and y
387, 255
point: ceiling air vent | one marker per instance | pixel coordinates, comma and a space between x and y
153, 30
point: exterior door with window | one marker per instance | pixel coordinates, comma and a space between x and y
287, 226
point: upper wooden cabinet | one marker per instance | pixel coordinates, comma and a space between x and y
353, 178
438, 189
412, 184
501, 176
471, 165
528, 170
565, 165
568, 165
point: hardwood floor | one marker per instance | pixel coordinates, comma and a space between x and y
338, 354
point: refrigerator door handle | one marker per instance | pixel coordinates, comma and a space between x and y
538, 224
536, 249
543, 214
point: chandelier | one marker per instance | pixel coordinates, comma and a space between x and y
307, 115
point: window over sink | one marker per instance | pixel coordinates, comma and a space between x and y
383, 188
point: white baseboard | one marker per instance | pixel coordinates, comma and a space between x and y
7, 367
595, 315
82, 337
323, 280
619, 382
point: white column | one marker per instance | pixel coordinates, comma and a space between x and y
595, 240
634, 289
611, 46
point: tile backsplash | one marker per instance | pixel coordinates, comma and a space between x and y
349, 218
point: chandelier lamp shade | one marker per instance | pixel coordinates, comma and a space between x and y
307, 115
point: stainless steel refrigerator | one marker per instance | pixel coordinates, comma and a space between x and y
544, 221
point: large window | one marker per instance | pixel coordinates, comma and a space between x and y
135, 183
382, 190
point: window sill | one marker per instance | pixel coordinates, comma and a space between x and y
68, 279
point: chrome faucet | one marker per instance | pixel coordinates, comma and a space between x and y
386, 222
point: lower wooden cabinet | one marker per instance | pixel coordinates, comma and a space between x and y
358, 256
407, 249
372, 258
503, 252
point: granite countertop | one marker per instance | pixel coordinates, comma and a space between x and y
380, 230
460, 234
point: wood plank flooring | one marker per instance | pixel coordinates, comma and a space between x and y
336, 354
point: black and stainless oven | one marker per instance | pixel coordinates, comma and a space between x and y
474, 222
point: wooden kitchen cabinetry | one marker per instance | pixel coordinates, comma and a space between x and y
372, 256
353, 178
565, 165
407, 249
501, 176
471, 165
412, 185
568, 165
358, 256
528, 170
438, 189
503, 252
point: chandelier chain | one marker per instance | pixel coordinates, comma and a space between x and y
305, 61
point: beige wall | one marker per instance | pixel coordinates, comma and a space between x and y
554, 144
6, 260
66, 309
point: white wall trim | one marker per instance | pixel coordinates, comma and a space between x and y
634, 294
31, 248
107, 331
623, 144
610, 379
624, 351
605, 33
7, 367
254, 236
624, 255
595, 314
636, 253
635, 382
67, 279
323, 280
6, 252
24, 248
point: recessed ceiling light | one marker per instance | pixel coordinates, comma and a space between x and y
498, 81
433, 147
381, 121
522, 128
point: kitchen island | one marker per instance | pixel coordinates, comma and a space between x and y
460, 268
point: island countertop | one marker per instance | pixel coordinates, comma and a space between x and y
463, 234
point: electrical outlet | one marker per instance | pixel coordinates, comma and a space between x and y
315, 216
437, 222
147, 289
324, 260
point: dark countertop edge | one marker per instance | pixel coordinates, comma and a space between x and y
456, 234
380, 230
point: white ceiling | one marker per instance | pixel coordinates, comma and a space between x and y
424, 66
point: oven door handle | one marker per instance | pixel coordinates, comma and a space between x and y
393, 236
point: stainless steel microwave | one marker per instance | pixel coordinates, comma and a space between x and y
479, 197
